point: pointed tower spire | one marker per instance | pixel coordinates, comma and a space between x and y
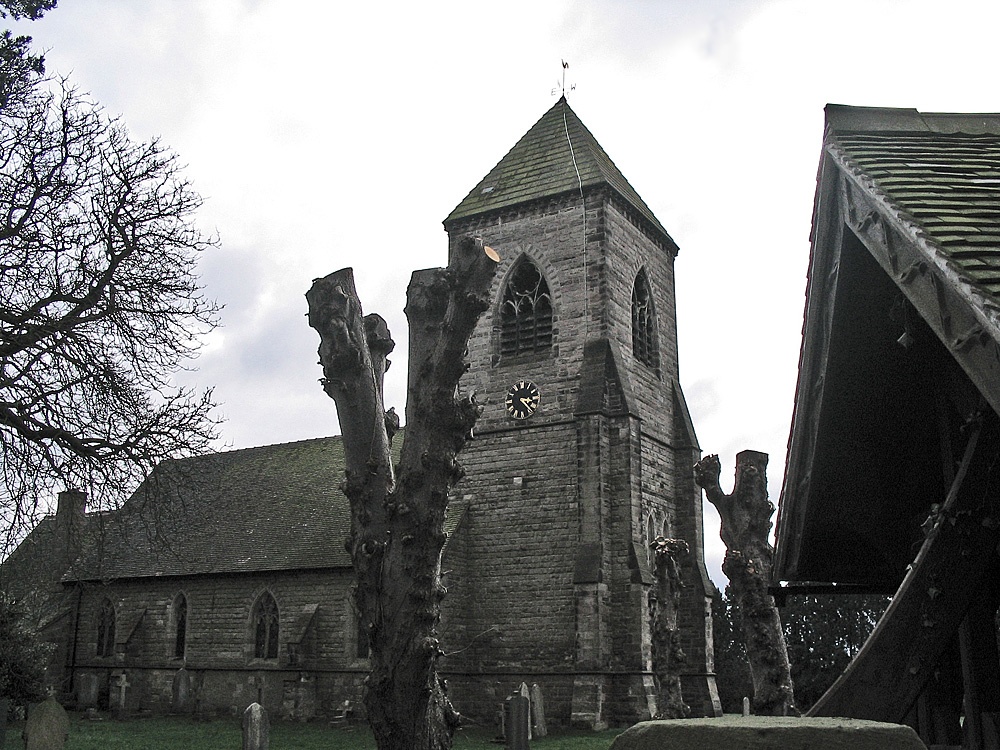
557, 155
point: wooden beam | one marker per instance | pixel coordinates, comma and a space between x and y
895, 664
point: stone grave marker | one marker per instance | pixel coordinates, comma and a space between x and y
538, 725
525, 693
119, 688
256, 728
47, 726
86, 690
180, 692
517, 721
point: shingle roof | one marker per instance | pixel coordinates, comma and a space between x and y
277, 507
942, 171
557, 155
269, 508
904, 292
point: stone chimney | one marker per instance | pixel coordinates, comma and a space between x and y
72, 508
71, 512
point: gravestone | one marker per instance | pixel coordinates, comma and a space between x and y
525, 693
538, 726
180, 693
517, 721
47, 726
256, 728
119, 707
87, 690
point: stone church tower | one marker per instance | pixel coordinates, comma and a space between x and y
585, 447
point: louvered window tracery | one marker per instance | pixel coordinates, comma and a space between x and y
526, 312
644, 345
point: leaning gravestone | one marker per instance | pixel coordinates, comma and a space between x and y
256, 728
47, 726
767, 733
538, 726
525, 693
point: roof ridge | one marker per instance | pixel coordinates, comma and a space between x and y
268, 446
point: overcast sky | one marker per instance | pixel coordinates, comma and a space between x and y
329, 134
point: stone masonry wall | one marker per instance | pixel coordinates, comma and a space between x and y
225, 677
524, 479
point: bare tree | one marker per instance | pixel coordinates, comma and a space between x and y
397, 519
99, 304
746, 524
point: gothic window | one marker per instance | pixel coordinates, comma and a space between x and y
106, 629
644, 323
265, 627
180, 626
526, 312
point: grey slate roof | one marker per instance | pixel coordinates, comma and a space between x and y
277, 507
271, 508
545, 163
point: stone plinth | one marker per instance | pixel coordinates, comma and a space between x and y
767, 733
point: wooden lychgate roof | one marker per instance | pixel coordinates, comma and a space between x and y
901, 335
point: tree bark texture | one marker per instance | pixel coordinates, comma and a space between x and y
668, 657
746, 524
397, 515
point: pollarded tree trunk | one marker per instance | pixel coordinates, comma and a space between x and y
668, 657
397, 522
746, 524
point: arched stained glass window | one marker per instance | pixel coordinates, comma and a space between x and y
265, 627
526, 312
644, 344
106, 629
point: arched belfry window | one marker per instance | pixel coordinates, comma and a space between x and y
526, 312
180, 617
644, 344
265, 627
106, 629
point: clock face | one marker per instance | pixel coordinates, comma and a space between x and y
522, 399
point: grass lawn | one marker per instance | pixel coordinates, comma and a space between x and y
172, 733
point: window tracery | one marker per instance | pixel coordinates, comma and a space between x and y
644, 344
526, 312
265, 627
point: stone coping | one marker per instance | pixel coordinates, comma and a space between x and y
768, 733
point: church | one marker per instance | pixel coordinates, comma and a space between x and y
224, 579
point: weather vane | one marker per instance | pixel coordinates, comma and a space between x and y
562, 86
